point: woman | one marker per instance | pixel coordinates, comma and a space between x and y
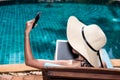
80, 43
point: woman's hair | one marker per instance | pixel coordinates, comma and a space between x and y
74, 55
84, 62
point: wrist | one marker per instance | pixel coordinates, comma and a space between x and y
26, 33
26, 37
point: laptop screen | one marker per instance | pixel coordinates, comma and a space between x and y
64, 51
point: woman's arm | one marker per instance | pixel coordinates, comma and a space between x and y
29, 59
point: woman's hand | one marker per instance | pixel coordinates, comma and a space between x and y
29, 25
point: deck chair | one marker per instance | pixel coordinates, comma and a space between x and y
63, 52
83, 73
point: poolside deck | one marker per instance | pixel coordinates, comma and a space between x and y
19, 72
27, 77
23, 72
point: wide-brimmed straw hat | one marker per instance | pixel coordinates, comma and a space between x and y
86, 39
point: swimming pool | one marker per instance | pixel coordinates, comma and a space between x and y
52, 26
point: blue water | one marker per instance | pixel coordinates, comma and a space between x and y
52, 26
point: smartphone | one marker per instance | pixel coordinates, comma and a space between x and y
36, 19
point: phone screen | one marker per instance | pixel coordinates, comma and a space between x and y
36, 19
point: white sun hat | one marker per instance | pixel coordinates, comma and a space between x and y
86, 39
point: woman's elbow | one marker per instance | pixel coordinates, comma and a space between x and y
33, 63
28, 62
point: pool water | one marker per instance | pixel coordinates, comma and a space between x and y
52, 26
